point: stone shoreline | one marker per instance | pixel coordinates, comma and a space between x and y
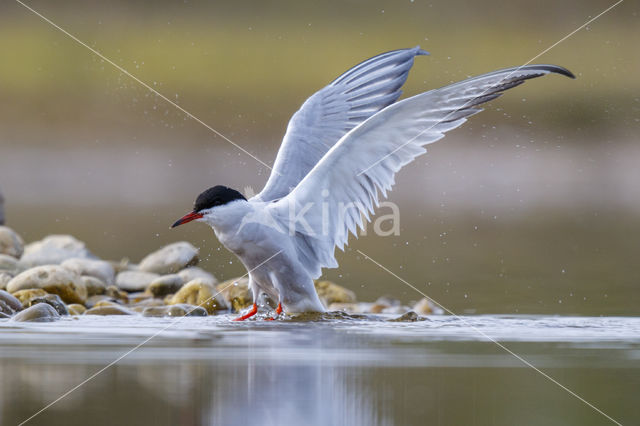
59, 276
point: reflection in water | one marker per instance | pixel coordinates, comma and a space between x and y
337, 372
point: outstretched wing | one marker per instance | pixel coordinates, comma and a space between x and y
330, 202
331, 112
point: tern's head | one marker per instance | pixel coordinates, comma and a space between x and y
208, 201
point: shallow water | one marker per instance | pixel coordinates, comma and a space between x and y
364, 371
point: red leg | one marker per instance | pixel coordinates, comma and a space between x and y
252, 312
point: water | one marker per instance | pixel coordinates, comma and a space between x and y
356, 371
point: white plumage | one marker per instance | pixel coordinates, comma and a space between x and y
341, 152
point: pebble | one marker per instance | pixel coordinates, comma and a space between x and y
117, 294
76, 309
97, 299
6, 310
170, 259
5, 277
10, 300
94, 268
53, 250
333, 293
42, 312
190, 274
52, 279
165, 284
423, 307
351, 308
200, 293
408, 317
9, 264
50, 299
179, 310
10, 242
93, 285
109, 310
236, 293
135, 280
24, 295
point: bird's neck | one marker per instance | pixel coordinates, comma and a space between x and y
226, 219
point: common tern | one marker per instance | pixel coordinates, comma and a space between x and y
340, 153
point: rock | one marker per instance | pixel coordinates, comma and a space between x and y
9, 264
50, 299
200, 293
24, 295
41, 312
170, 259
117, 294
13, 302
10, 242
5, 310
236, 293
106, 302
54, 250
377, 308
97, 300
135, 280
139, 296
109, 310
190, 274
179, 310
76, 309
53, 279
350, 308
93, 285
94, 268
408, 317
333, 293
424, 307
5, 277
165, 284
122, 265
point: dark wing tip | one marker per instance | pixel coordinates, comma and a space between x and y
557, 69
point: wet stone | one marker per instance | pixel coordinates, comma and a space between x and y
53, 250
11, 243
24, 295
5, 309
333, 293
165, 284
94, 268
408, 317
170, 259
93, 285
9, 264
200, 293
135, 280
109, 310
423, 307
352, 308
76, 309
50, 299
179, 310
41, 312
5, 277
13, 302
190, 274
53, 279
117, 294
99, 298
236, 293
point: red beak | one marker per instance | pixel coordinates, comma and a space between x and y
187, 218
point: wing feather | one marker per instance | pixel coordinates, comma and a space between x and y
359, 168
331, 112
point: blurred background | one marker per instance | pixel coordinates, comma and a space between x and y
531, 207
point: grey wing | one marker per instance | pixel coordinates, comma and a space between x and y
363, 164
331, 112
